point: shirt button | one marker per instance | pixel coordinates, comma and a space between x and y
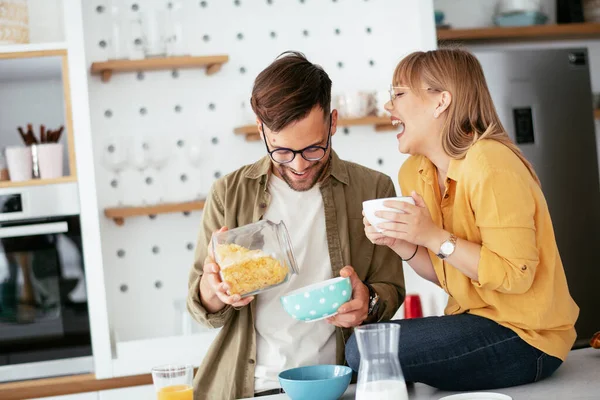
263, 205
524, 267
251, 361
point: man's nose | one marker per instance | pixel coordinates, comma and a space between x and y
299, 164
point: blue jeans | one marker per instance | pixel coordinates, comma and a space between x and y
464, 352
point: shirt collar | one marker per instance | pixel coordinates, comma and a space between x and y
337, 169
427, 170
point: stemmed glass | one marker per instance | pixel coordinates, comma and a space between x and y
159, 155
140, 156
115, 157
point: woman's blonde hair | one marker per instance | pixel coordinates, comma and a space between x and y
471, 114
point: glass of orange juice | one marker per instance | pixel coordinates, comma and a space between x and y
173, 382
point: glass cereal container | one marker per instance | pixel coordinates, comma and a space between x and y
255, 257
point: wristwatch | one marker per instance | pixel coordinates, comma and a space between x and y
373, 299
447, 247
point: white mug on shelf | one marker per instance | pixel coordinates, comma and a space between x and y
50, 160
20, 163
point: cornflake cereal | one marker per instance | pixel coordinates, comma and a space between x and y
248, 270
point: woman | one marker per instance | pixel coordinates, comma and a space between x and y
480, 230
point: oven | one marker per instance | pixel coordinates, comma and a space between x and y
44, 319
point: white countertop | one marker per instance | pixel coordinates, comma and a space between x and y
577, 379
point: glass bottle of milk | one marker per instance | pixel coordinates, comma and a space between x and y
379, 375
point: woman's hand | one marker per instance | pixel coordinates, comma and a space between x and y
377, 238
414, 225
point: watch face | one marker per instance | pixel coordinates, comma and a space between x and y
447, 248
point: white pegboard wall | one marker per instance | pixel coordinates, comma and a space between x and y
358, 43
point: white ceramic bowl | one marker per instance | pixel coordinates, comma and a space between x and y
370, 207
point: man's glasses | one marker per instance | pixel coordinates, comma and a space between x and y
284, 155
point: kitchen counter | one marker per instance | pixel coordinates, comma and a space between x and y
577, 379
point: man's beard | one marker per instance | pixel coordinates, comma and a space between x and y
317, 169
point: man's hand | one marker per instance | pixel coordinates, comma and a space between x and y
213, 291
354, 312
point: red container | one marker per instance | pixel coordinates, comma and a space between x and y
412, 307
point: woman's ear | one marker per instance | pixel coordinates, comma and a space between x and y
443, 104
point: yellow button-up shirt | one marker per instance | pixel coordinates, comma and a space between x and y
491, 199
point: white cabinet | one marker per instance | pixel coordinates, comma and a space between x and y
78, 396
138, 392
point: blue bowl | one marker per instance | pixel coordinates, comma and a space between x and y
325, 382
317, 301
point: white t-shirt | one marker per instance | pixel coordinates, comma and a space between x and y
281, 341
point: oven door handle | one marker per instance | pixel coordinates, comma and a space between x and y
33, 230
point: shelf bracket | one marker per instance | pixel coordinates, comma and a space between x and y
106, 75
213, 69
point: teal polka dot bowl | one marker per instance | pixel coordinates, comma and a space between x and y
318, 301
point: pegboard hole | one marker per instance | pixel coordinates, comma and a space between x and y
203, 4
269, 2
346, 131
212, 106
183, 177
135, 7
237, 3
137, 41
155, 249
123, 288
108, 113
371, 63
100, 9
242, 70
214, 140
149, 180
143, 111
190, 246
140, 76
186, 213
180, 143
206, 38
175, 74
120, 253
152, 216
240, 36
369, 30
158, 284
305, 32
273, 34
380, 161
102, 43
340, 64
217, 174
114, 183
337, 31
178, 108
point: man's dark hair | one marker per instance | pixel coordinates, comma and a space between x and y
288, 89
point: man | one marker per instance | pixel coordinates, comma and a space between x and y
319, 197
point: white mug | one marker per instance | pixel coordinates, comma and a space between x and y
20, 163
370, 207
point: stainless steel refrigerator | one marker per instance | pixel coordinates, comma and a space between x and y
544, 100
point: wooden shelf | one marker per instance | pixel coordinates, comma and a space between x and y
119, 214
107, 68
534, 32
68, 385
381, 124
38, 182
597, 113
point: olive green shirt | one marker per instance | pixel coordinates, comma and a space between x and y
242, 197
